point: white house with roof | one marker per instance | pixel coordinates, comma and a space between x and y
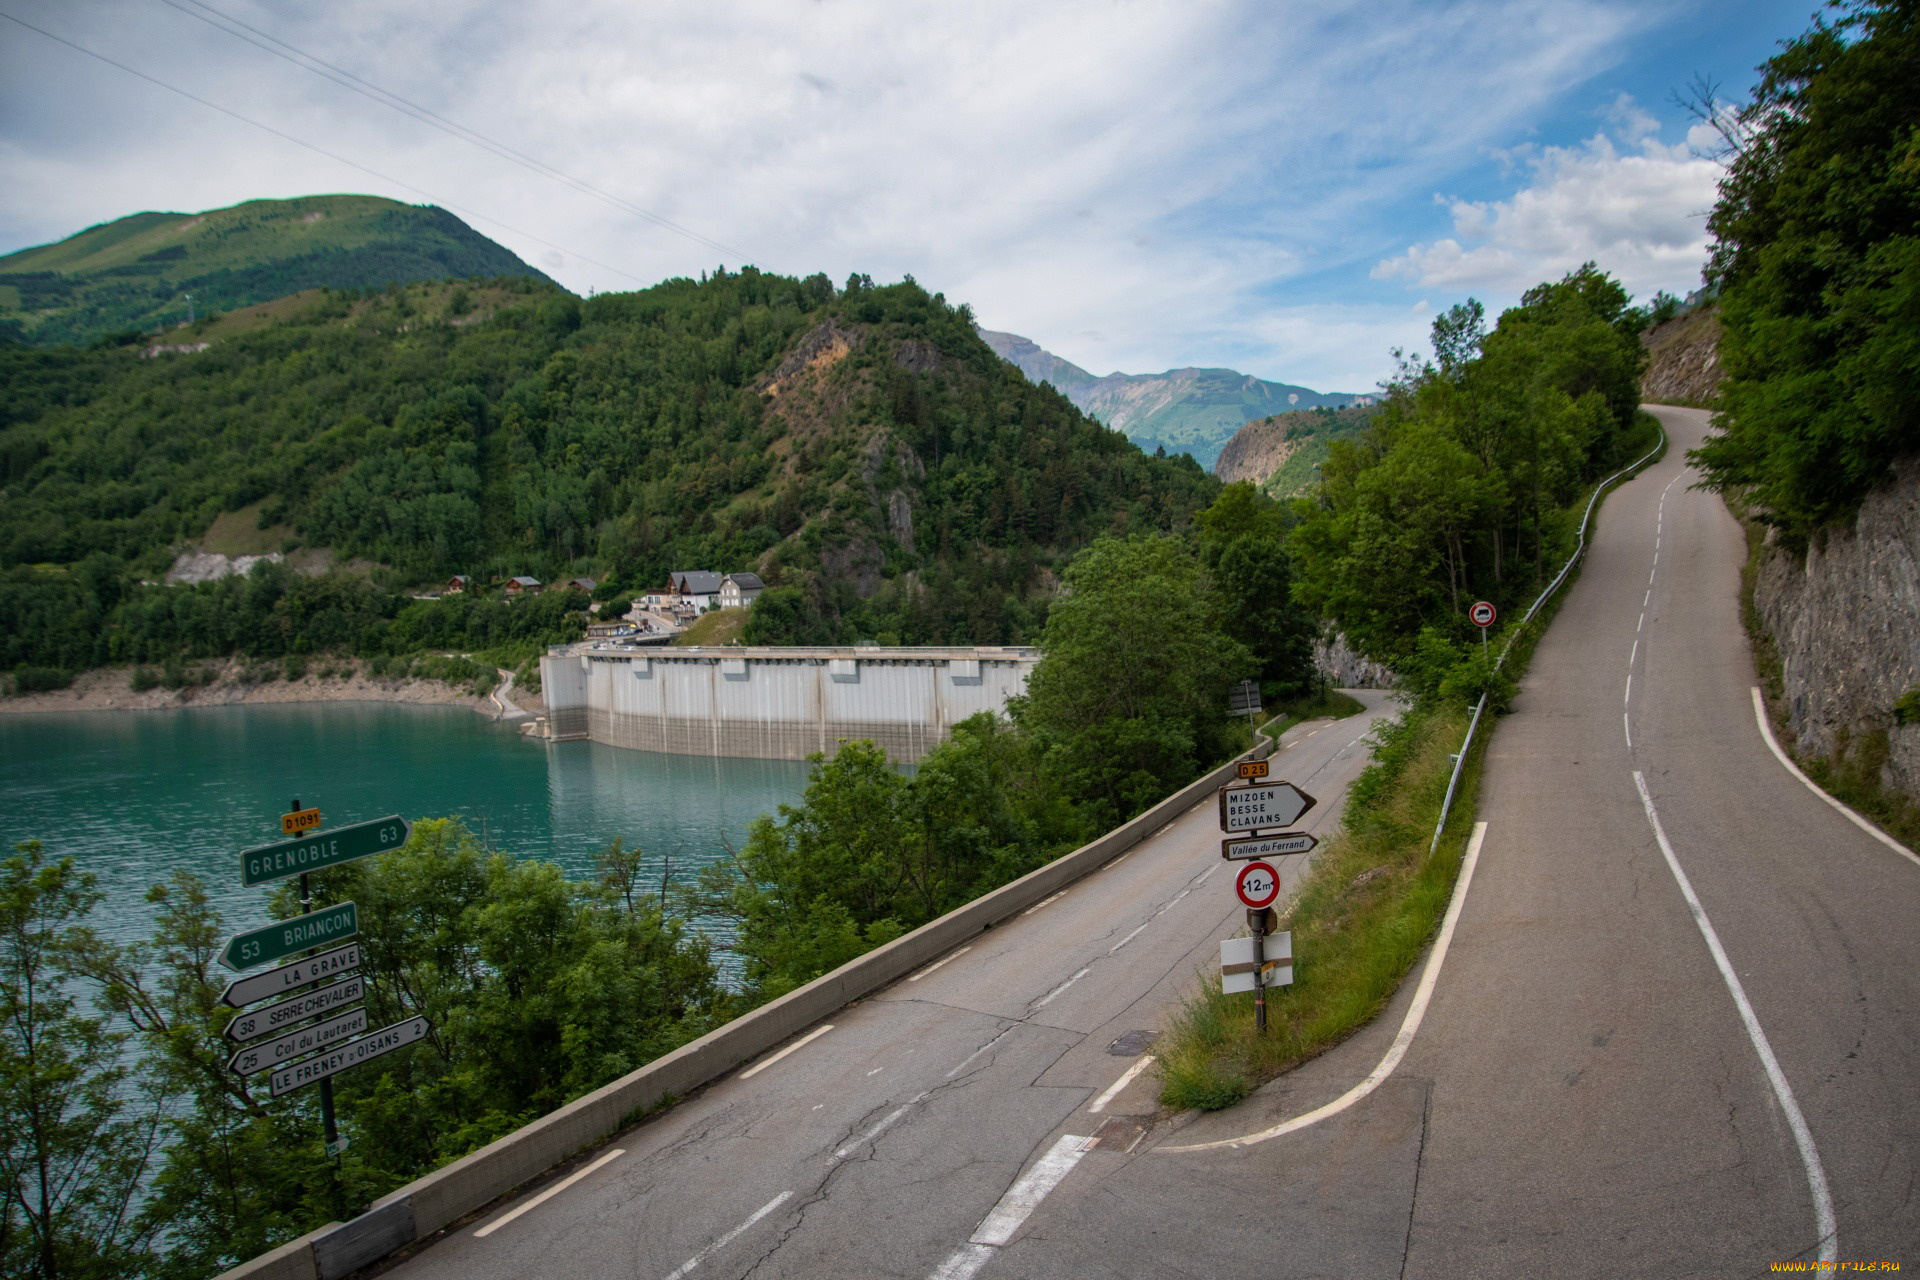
738, 590
687, 591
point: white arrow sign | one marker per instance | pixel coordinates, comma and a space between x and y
1260, 805
352, 1054
317, 1035
328, 964
269, 1018
1287, 842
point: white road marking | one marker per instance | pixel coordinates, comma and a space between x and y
1645, 601
1138, 929
951, 955
1006, 1217
1204, 874
731, 1236
1626, 725
1628, 697
977, 1052
764, 1063
1766, 731
1048, 998
880, 1128
1642, 624
1113, 1090
876, 1071
1429, 977
1636, 651
1823, 1218
1044, 902
1176, 897
548, 1194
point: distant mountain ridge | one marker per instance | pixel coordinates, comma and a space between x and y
1194, 411
135, 272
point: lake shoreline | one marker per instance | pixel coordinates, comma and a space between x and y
109, 689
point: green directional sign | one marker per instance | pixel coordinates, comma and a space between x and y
322, 849
276, 941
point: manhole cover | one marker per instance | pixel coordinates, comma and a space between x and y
1133, 1044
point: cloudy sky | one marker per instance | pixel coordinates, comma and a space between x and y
1286, 188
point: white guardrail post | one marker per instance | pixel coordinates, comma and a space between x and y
1580, 547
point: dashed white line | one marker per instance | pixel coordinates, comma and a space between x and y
1048, 998
1138, 929
1636, 651
951, 955
1015, 1207
1044, 902
1628, 696
548, 1194
1642, 624
1113, 1090
731, 1236
1626, 726
968, 1061
1823, 1217
764, 1063
878, 1129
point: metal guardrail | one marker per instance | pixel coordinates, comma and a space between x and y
1580, 548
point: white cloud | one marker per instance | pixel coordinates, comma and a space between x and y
1137, 184
1632, 204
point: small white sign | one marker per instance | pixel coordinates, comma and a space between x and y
1236, 962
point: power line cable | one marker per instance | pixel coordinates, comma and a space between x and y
317, 150
279, 48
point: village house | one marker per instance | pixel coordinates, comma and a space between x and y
457, 583
688, 592
738, 590
523, 586
582, 584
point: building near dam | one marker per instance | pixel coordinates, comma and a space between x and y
772, 702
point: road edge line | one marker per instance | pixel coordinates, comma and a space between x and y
1846, 811
1409, 1026
1824, 1220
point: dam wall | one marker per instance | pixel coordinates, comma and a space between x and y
776, 703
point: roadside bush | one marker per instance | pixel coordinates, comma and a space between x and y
143, 679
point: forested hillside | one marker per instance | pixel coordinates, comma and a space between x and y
1817, 257
1462, 487
861, 448
135, 273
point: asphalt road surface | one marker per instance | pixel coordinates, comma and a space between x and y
1676, 1032
883, 1142
1584, 1096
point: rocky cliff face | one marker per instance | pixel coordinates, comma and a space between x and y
1847, 624
1683, 360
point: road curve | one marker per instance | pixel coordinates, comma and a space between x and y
916, 1131
1590, 1094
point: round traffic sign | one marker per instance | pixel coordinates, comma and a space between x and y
1258, 884
1482, 614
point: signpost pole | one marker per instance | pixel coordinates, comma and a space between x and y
327, 1123
1257, 920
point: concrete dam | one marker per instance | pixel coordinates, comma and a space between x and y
771, 702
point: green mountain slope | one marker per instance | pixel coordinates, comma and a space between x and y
1192, 411
862, 450
136, 272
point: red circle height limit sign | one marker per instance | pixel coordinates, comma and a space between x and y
1258, 884
1482, 614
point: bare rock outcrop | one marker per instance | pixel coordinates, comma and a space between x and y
1683, 360
1846, 620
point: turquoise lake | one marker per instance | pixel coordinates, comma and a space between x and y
135, 795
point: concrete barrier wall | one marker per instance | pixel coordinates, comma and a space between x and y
427, 1204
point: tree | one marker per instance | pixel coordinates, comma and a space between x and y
1129, 701
1817, 258
75, 1141
1243, 546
